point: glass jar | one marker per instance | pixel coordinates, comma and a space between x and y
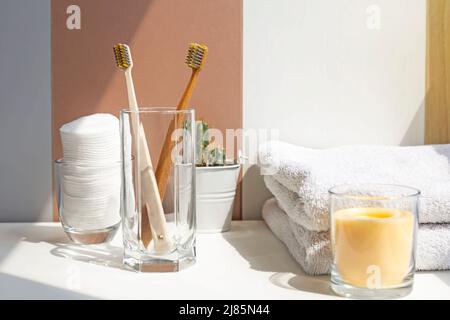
373, 238
89, 199
158, 194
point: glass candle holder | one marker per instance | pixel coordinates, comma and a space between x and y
158, 194
88, 198
373, 238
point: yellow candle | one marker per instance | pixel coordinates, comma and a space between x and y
373, 246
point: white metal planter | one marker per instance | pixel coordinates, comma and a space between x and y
216, 190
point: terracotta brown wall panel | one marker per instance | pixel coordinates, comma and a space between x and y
85, 79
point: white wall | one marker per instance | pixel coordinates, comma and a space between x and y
25, 111
323, 74
312, 69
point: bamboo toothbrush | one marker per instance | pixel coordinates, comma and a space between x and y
153, 220
195, 60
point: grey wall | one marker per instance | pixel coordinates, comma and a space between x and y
25, 111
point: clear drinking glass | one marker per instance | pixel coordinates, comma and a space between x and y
373, 238
158, 196
88, 198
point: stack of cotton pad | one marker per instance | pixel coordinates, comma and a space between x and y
91, 172
91, 140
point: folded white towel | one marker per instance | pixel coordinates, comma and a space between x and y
313, 252
295, 207
309, 174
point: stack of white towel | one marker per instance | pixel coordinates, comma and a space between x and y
299, 178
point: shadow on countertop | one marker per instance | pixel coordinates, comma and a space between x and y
18, 232
13, 287
106, 254
443, 276
266, 253
103, 254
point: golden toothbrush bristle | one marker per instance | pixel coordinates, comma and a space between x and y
196, 55
123, 56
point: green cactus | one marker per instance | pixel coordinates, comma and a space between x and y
216, 156
202, 141
206, 153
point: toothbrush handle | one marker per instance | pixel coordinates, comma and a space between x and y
165, 160
153, 220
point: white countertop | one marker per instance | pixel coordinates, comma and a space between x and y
37, 261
